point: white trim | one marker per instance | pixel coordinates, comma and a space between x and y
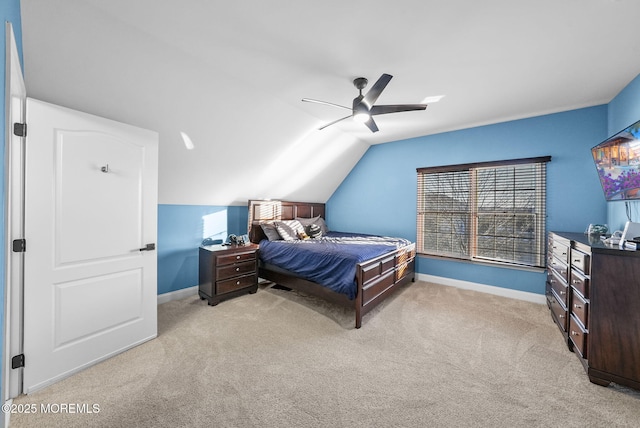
490, 289
14, 146
178, 294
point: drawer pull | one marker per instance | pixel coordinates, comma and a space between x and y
237, 257
575, 281
574, 333
576, 260
237, 269
562, 292
237, 282
560, 316
577, 306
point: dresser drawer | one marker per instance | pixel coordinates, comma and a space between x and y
227, 259
580, 283
560, 288
229, 271
578, 336
580, 260
234, 284
580, 308
559, 247
559, 312
560, 268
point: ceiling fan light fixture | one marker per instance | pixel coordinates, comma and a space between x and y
360, 112
361, 117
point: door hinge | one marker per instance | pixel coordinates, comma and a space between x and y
19, 245
20, 129
17, 361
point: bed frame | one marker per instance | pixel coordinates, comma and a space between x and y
376, 278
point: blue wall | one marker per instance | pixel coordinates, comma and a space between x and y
181, 229
624, 110
379, 195
9, 11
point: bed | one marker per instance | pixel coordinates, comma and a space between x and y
387, 265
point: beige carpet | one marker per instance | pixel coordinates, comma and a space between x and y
431, 356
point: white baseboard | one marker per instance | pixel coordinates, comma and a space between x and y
491, 289
178, 294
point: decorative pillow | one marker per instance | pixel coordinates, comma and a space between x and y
314, 220
270, 231
314, 231
289, 229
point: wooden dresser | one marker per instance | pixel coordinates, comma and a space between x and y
227, 271
593, 293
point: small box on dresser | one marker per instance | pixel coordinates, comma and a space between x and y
603, 314
227, 271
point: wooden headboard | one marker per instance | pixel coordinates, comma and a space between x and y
261, 211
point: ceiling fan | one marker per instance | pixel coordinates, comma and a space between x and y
363, 108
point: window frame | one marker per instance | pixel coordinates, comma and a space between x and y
470, 209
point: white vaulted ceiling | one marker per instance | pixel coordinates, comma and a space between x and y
231, 75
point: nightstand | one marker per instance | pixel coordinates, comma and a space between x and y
227, 271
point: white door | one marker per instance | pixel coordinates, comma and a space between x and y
14, 154
90, 282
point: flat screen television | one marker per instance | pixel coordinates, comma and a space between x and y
617, 160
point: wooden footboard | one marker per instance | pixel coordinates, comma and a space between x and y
378, 278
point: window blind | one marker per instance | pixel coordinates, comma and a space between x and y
493, 211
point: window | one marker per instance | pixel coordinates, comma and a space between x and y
491, 212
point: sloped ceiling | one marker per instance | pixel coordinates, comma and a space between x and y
231, 75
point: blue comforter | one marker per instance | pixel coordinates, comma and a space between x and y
330, 260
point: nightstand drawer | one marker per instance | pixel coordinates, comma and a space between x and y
235, 283
235, 258
236, 269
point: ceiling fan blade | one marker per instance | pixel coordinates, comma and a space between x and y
396, 108
335, 121
371, 124
375, 91
309, 100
